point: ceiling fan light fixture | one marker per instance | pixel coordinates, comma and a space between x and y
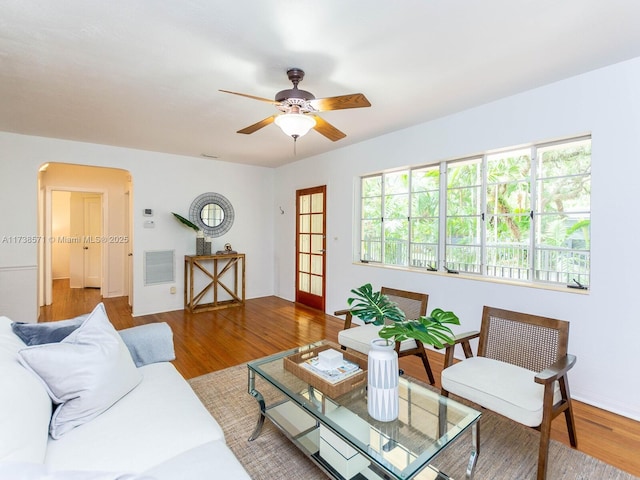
295, 124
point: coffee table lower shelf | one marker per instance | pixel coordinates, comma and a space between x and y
307, 434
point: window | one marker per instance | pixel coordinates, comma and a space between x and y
521, 214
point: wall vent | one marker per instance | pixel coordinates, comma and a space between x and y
159, 267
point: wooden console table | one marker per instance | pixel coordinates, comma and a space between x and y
212, 269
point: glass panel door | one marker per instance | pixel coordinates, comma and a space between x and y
310, 246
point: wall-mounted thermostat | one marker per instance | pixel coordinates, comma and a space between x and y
147, 212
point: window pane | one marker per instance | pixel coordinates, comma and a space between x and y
395, 252
372, 186
305, 226
316, 223
464, 174
316, 202
568, 194
316, 285
424, 230
562, 266
513, 197
396, 239
396, 206
424, 243
424, 255
316, 264
305, 243
316, 243
463, 230
567, 231
425, 179
573, 158
507, 246
564, 222
304, 282
463, 258
396, 182
372, 207
372, 230
507, 167
305, 204
304, 261
371, 251
425, 204
508, 229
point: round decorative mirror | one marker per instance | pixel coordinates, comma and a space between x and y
213, 213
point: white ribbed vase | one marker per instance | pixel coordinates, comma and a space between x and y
382, 389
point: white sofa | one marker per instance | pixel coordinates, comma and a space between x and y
158, 430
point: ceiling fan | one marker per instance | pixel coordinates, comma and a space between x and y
299, 109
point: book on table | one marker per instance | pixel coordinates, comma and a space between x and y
333, 375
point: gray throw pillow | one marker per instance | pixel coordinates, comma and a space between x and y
85, 374
48, 332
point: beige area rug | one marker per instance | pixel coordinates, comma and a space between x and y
507, 450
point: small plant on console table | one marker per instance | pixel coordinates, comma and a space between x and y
186, 222
374, 307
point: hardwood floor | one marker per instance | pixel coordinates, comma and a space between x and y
209, 341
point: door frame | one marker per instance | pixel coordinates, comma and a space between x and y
48, 237
87, 253
304, 297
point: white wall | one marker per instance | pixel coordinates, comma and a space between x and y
60, 227
163, 182
604, 323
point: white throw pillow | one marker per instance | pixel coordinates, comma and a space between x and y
85, 373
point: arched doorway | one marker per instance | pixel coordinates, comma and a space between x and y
84, 220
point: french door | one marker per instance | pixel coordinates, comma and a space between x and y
310, 246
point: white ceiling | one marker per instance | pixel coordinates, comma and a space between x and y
145, 74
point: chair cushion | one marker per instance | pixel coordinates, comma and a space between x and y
498, 386
359, 338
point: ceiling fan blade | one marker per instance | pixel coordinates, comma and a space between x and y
325, 128
353, 100
257, 126
251, 96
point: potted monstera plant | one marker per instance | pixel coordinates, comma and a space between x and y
374, 307
377, 308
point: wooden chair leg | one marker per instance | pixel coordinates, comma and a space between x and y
425, 362
543, 453
545, 431
568, 413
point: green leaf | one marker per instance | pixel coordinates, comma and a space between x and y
431, 330
186, 222
373, 307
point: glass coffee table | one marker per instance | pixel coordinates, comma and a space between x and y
338, 434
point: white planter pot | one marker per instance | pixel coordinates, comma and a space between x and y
382, 389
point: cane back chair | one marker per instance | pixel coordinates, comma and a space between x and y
414, 305
520, 372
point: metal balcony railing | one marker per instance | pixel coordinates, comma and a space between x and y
550, 264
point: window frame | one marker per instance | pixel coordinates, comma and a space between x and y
528, 273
